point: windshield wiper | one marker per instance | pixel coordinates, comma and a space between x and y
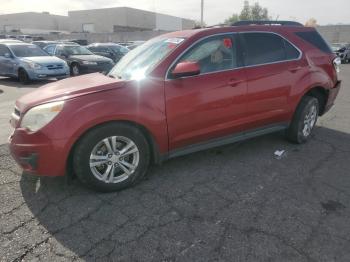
113, 76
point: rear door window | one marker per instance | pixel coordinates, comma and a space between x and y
291, 51
262, 48
3, 50
50, 50
100, 49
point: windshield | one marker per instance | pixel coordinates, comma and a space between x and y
27, 51
76, 50
121, 49
139, 62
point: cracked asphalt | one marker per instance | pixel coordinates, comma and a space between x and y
233, 203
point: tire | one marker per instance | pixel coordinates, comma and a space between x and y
23, 76
304, 120
74, 69
60, 78
110, 175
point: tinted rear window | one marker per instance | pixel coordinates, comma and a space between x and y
314, 38
262, 48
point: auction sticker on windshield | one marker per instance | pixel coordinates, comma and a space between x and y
174, 40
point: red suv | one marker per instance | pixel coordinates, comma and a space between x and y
176, 94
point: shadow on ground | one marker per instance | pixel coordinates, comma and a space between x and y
233, 203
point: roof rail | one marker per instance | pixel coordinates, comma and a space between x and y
266, 22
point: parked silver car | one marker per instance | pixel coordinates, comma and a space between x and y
29, 62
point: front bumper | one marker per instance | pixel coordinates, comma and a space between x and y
47, 74
332, 95
37, 154
103, 68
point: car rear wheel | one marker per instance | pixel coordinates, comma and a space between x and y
74, 70
23, 76
112, 157
304, 120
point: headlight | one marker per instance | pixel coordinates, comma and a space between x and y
89, 63
336, 64
34, 65
41, 115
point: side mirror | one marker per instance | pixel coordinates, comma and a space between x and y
186, 68
7, 55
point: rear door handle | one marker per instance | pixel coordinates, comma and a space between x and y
234, 82
295, 69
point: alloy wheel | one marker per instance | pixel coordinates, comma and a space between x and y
75, 70
310, 120
114, 159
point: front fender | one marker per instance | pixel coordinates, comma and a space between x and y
144, 107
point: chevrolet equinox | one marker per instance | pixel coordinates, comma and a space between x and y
176, 94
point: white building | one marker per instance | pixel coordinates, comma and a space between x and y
106, 20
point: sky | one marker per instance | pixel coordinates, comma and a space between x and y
215, 12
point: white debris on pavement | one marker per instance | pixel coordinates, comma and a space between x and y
279, 154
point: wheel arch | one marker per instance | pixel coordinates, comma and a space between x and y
19, 69
155, 154
321, 93
72, 63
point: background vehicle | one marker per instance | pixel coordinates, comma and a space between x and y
10, 41
80, 59
131, 44
134, 44
25, 38
342, 50
82, 42
11, 37
110, 50
29, 62
44, 43
177, 94
38, 38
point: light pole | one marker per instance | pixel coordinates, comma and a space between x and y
202, 10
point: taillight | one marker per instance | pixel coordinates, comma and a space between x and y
336, 64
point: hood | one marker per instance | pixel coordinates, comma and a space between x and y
43, 60
67, 89
90, 58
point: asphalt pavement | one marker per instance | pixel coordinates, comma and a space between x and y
232, 203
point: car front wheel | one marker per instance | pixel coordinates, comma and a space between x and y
23, 76
112, 157
74, 70
304, 120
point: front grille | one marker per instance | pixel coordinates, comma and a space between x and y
55, 67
